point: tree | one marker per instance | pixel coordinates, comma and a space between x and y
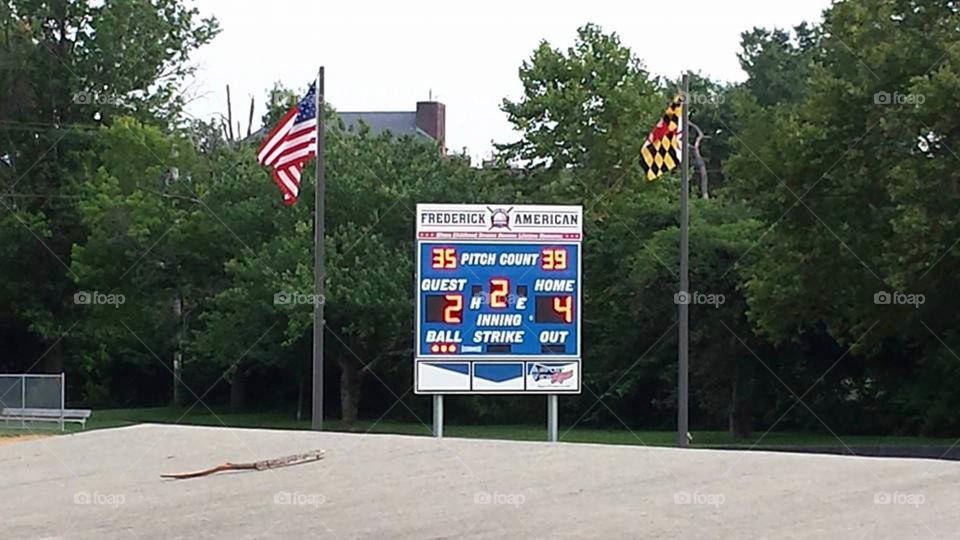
778, 63
152, 240
856, 175
724, 372
68, 67
588, 107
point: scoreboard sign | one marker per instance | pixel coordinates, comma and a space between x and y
498, 299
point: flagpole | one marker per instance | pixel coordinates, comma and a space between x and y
684, 307
318, 268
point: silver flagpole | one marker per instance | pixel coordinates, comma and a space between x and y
318, 268
684, 307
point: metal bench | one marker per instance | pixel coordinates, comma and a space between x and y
22, 415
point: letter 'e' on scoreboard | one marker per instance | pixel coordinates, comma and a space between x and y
499, 299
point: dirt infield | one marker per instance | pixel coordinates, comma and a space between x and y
10, 439
106, 484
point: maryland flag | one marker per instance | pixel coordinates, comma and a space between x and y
661, 151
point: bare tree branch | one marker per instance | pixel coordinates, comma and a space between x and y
701, 164
286, 461
229, 115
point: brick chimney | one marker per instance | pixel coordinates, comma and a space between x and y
432, 119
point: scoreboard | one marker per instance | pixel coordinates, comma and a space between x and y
498, 299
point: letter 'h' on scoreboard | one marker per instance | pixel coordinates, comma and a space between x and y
498, 299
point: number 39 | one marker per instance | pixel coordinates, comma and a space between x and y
554, 259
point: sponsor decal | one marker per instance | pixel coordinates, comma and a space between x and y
545, 375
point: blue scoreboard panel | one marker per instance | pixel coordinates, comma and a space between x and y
498, 299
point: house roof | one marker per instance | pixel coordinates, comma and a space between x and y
397, 122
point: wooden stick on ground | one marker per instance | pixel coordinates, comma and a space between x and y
286, 461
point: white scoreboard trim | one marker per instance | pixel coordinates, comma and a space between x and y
533, 223
468, 223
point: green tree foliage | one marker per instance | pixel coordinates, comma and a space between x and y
588, 107
65, 68
778, 63
151, 237
857, 177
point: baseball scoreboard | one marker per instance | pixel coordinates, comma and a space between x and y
498, 299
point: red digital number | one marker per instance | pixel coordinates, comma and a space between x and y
444, 258
453, 308
563, 305
553, 259
499, 290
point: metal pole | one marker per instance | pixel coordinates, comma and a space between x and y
23, 400
438, 416
684, 307
63, 397
552, 417
318, 269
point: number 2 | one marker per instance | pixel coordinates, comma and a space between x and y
499, 288
453, 310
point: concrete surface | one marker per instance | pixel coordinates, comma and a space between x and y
106, 484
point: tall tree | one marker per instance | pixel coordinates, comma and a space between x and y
857, 178
587, 107
66, 67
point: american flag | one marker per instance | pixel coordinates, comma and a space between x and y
290, 144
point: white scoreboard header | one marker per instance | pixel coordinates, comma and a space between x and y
499, 222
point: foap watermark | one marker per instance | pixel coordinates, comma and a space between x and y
97, 298
705, 98
296, 498
897, 298
896, 98
506, 499
497, 300
900, 498
297, 298
699, 298
96, 98
99, 499
695, 497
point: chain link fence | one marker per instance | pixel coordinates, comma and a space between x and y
31, 391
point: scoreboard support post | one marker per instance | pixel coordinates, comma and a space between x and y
438, 416
552, 417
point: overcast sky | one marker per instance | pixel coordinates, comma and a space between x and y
387, 55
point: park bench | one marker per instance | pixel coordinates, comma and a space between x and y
79, 416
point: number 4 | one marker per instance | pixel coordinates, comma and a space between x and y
563, 305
